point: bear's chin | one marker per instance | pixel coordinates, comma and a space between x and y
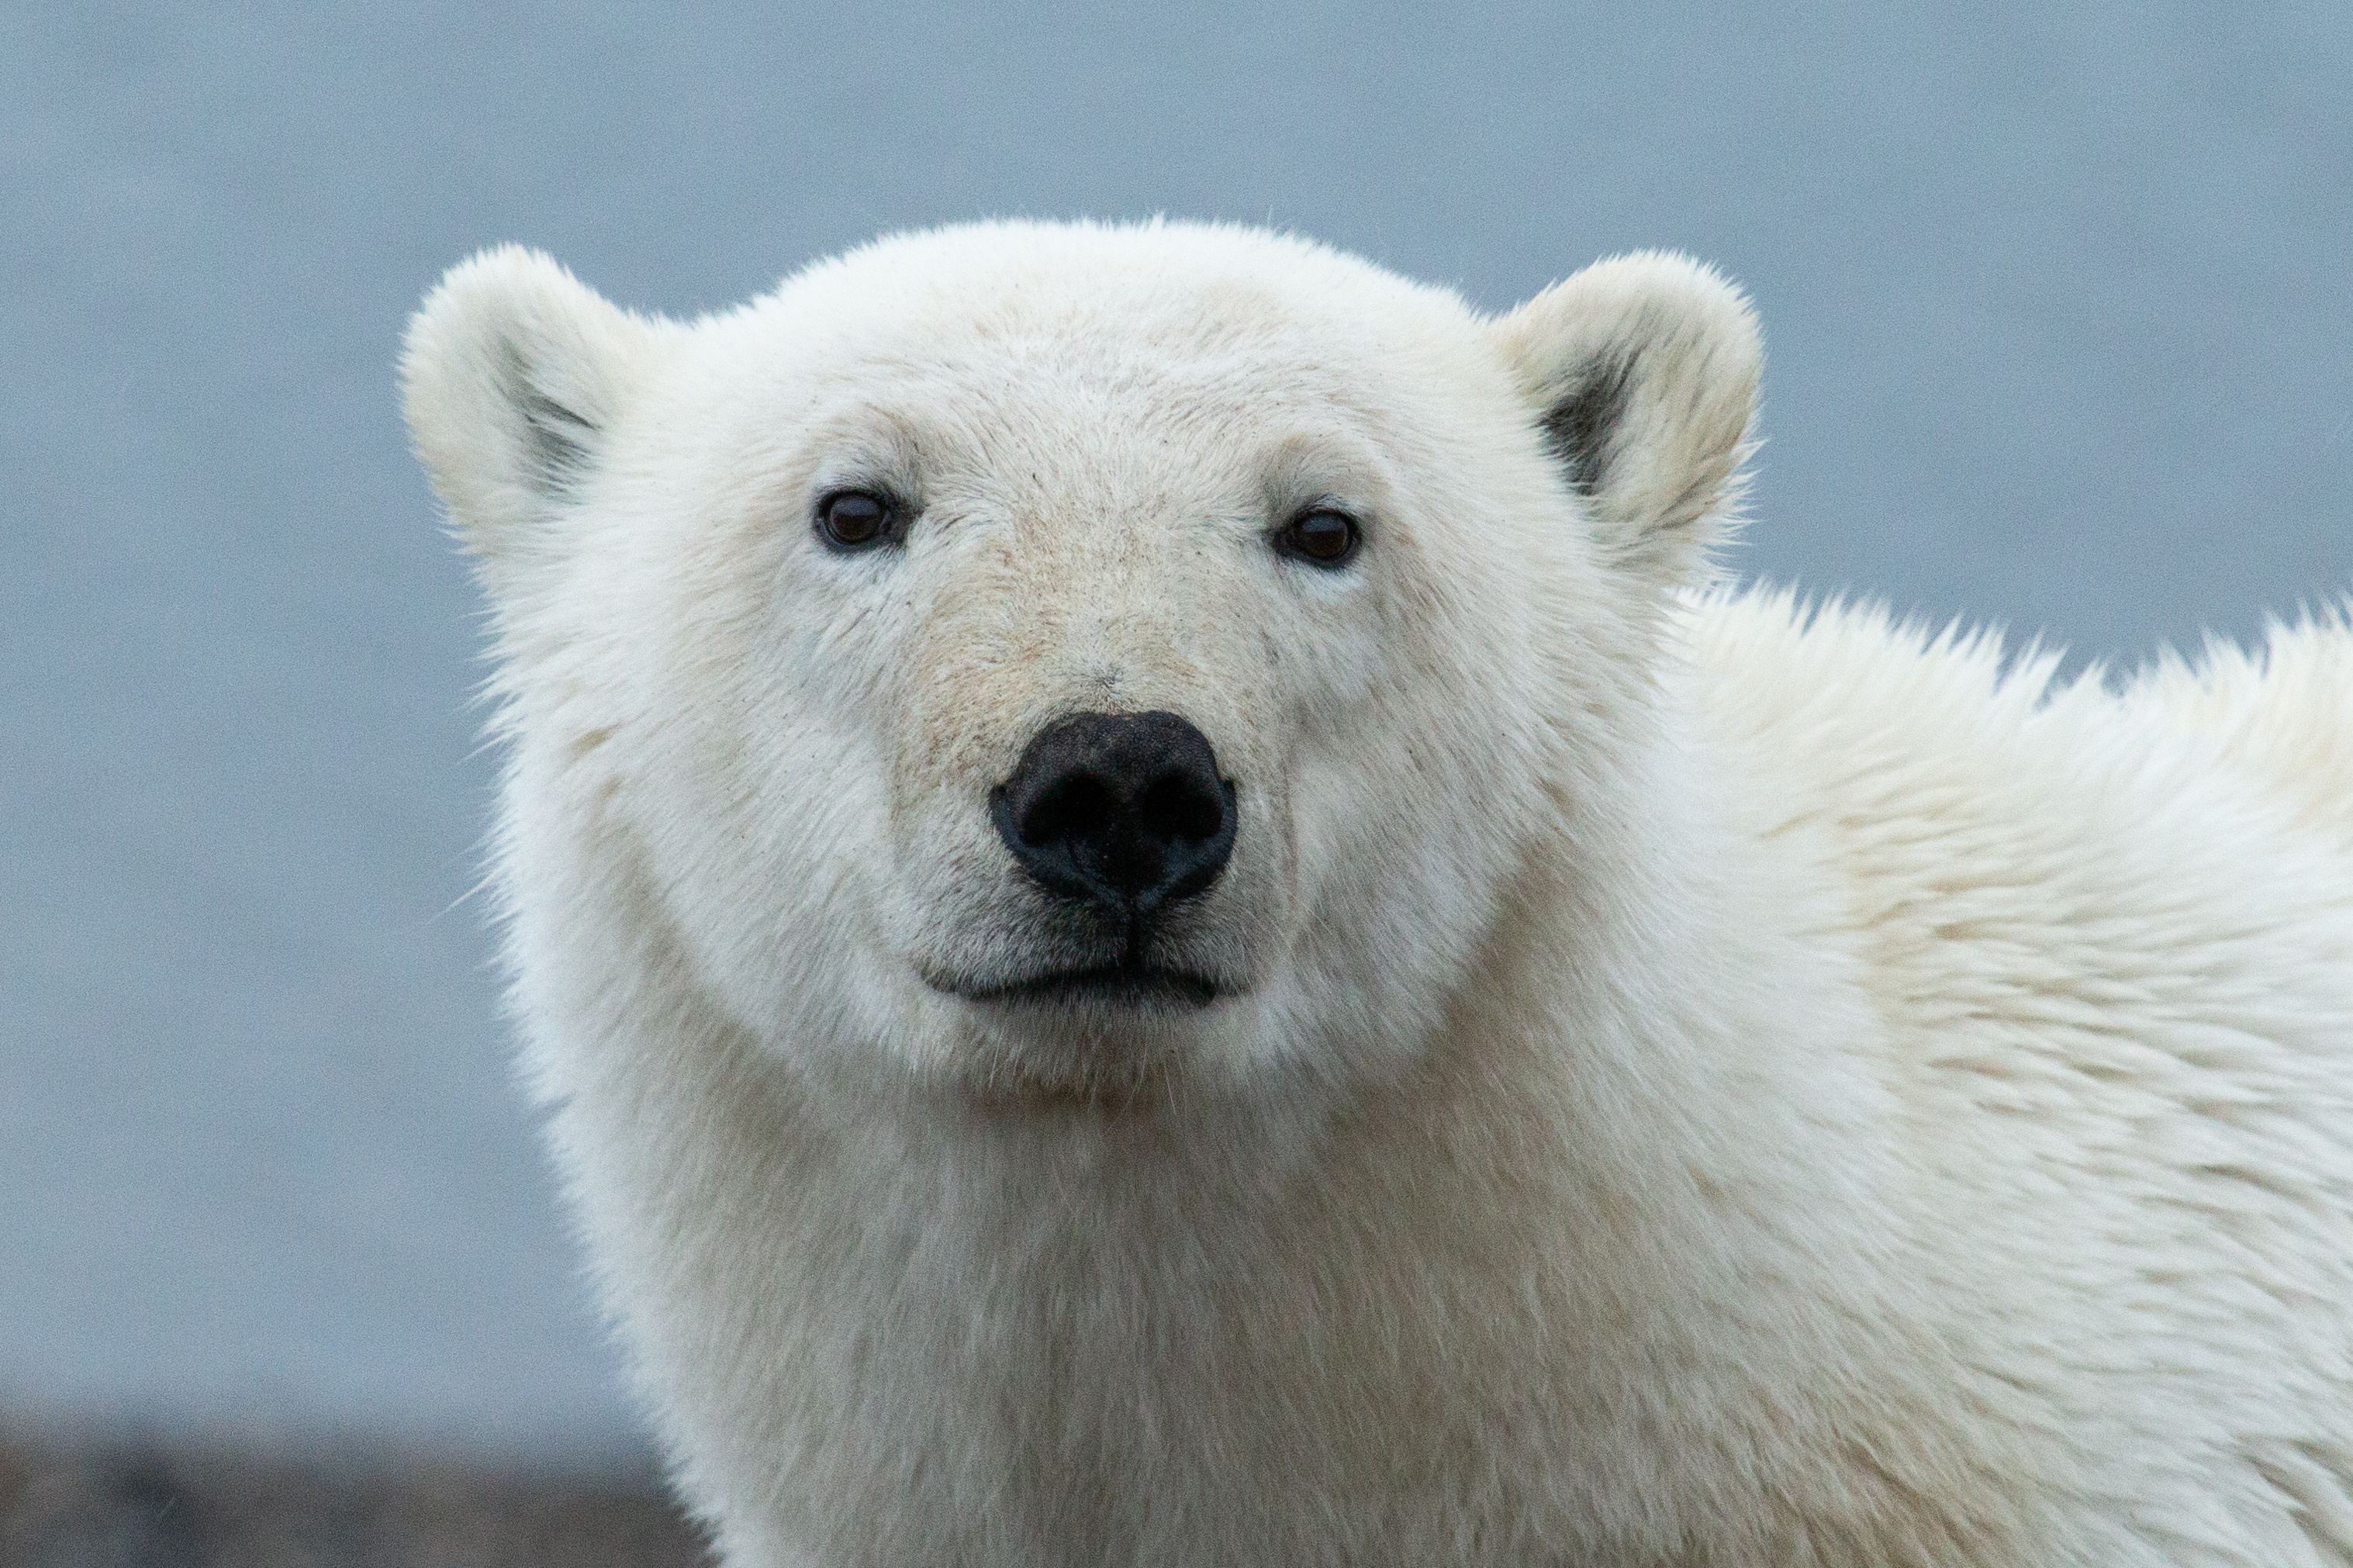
1109, 1042
1111, 993
1014, 1093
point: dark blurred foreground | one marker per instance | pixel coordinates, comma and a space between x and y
137, 1506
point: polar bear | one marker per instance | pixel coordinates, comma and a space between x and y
1167, 922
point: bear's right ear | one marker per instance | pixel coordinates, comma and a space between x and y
1640, 373
511, 372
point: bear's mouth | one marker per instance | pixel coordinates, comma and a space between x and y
1126, 987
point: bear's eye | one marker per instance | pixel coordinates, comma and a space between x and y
1321, 537
854, 520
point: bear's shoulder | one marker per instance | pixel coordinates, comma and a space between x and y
2062, 893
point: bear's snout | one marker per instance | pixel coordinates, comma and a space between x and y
1123, 810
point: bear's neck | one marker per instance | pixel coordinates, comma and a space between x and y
1626, 1193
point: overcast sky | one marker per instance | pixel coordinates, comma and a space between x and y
2060, 335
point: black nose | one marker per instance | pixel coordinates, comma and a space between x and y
1123, 808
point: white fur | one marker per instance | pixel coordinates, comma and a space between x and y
1706, 1082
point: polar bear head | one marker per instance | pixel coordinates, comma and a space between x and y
1061, 664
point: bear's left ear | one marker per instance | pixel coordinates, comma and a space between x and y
514, 372
1641, 375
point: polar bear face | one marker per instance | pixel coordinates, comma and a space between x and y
1068, 665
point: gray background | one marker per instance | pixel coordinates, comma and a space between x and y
2059, 317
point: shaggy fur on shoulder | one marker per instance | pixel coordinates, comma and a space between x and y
1649, 1075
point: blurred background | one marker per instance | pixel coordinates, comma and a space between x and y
2060, 337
